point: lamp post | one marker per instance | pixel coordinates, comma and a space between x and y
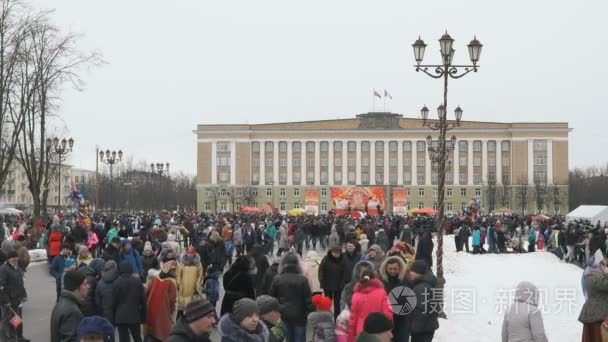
160, 169
111, 158
445, 71
60, 149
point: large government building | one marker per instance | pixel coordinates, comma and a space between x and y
380, 161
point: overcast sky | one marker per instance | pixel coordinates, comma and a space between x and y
175, 64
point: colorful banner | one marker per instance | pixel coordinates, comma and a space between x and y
358, 198
400, 201
311, 201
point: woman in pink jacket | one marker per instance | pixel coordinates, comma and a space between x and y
369, 296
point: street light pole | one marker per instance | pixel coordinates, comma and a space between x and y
160, 169
61, 149
111, 158
446, 71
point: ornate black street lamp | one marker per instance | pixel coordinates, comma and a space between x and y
111, 158
60, 149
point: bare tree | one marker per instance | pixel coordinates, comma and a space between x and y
491, 193
49, 60
249, 196
540, 193
557, 201
522, 194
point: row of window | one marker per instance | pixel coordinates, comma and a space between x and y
366, 145
225, 161
223, 206
324, 192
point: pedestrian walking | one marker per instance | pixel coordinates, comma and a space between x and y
12, 295
129, 304
66, 314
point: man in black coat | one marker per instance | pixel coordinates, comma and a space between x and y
12, 294
112, 252
66, 314
351, 258
92, 273
129, 303
425, 249
424, 316
331, 276
104, 292
392, 272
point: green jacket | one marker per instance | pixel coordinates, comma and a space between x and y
66, 317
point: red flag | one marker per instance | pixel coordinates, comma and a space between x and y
377, 94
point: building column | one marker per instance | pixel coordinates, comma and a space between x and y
387, 163
289, 163
530, 162
484, 162
549, 162
414, 153
358, 163
233, 162
275, 163
330, 163
303, 165
214, 162
345, 163
400, 162
470, 162
428, 166
262, 162
499, 162
317, 163
456, 165
372, 162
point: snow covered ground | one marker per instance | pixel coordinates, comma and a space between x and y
478, 293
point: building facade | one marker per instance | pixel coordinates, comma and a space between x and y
513, 165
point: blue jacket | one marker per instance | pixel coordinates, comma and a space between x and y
212, 287
57, 266
132, 256
477, 237
532, 236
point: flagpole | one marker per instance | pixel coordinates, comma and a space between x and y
384, 102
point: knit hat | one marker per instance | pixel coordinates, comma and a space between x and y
377, 323
267, 304
12, 254
83, 249
170, 256
125, 242
148, 246
198, 309
244, 308
115, 239
69, 262
321, 302
72, 280
97, 265
376, 248
110, 265
97, 326
419, 266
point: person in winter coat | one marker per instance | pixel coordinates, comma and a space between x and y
476, 240
292, 290
92, 273
311, 271
57, 267
104, 298
84, 256
112, 252
237, 283
321, 322
54, 242
351, 258
243, 323
382, 240
364, 243
66, 314
283, 239
392, 273
375, 255
424, 316
331, 276
196, 324
149, 259
532, 240
129, 303
189, 278
347, 294
272, 271
211, 286
334, 238
463, 237
161, 300
425, 249
216, 251
237, 240
595, 308
368, 296
256, 253
130, 255
524, 321
270, 316
12, 295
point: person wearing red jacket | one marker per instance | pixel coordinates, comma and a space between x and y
369, 296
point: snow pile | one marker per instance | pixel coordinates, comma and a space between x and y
480, 288
37, 255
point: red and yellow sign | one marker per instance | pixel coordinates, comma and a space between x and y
311, 201
358, 198
400, 201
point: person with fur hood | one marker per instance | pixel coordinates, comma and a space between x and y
311, 271
369, 296
347, 293
174, 244
364, 243
238, 283
392, 273
189, 278
283, 239
382, 240
243, 323
375, 255
148, 259
331, 276
524, 321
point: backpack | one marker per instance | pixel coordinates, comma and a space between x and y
229, 248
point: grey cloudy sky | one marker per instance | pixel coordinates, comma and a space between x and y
175, 64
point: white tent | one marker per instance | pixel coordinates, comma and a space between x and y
593, 213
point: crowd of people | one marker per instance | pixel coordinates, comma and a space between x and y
157, 277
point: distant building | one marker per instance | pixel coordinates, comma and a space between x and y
312, 163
